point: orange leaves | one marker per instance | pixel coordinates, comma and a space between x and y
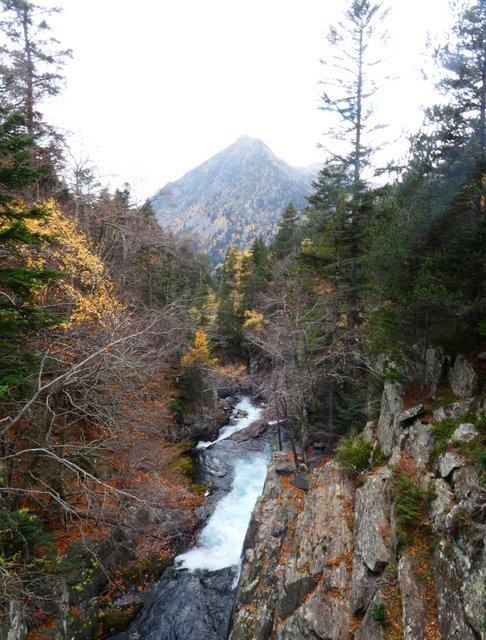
199, 354
85, 285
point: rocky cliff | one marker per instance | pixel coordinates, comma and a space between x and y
395, 551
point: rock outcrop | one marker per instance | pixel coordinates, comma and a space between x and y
398, 552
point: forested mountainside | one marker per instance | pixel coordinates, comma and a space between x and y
361, 325
232, 198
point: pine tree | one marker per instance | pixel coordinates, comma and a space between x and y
20, 316
429, 257
285, 241
30, 71
341, 192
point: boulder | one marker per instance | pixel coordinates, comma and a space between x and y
371, 522
455, 410
419, 444
462, 378
391, 409
434, 368
449, 461
465, 432
410, 414
442, 503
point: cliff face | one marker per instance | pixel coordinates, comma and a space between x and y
396, 552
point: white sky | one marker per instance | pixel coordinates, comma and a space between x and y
155, 87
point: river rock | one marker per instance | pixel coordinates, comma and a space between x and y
286, 581
462, 378
185, 605
391, 409
324, 543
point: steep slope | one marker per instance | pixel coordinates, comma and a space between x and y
398, 552
233, 197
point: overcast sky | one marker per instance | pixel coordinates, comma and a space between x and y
155, 87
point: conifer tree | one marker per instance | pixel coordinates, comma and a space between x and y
20, 315
31, 62
286, 239
428, 259
341, 196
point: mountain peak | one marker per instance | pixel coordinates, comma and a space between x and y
232, 198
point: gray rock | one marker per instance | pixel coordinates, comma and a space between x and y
450, 608
370, 628
462, 378
442, 503
371, 522
391, 409
284, 467
369, 431
414, 603
258, 588
411, 413
434, 368
449, 461
301, 481
464, 481
362, 588
419, 444
455, 410
295, 587
474, 595
464, 433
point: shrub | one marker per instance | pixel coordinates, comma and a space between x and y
378, 612
410, 502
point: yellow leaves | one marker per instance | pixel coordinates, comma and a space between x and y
85, 286
254, 320
199, 353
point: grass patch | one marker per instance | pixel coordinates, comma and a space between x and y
442, 431
410, 505
355, 455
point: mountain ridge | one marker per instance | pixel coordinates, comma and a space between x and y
231, 198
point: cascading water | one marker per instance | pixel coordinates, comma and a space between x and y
194, 598
221, 540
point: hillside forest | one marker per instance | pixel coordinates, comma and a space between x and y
116, 338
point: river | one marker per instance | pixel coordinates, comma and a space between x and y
194, 597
